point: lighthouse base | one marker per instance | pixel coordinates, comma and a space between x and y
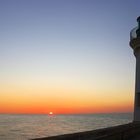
137, 108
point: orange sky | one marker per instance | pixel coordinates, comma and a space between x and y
16, 99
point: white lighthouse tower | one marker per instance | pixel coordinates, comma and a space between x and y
135, 44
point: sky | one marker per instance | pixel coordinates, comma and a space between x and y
67, 56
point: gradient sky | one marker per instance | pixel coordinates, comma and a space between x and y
67, 56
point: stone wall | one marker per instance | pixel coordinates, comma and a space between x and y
121, 132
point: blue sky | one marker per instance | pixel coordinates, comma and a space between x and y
68, 43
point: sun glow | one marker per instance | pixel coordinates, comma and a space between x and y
50, 113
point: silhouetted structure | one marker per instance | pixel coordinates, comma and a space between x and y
135, 44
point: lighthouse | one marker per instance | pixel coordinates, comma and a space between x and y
135, 44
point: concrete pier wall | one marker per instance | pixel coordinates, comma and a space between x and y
122, 132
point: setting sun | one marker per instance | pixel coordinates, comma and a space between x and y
50, 113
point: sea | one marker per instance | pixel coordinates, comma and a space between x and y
25, 127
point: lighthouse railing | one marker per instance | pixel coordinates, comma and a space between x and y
133, 33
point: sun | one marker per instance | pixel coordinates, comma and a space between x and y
51, 113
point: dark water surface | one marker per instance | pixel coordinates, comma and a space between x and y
23, 127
